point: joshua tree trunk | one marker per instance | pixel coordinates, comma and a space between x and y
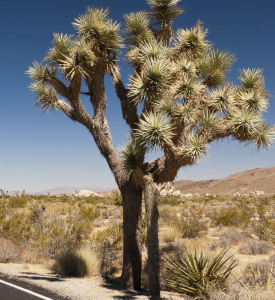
152, 214
132, 265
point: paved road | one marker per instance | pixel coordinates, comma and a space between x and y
15, 290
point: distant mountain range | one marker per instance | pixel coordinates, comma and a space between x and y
69, 190
261, 179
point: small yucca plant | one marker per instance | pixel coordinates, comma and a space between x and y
195, 274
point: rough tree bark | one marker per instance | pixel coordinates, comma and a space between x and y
132, 263
152, 214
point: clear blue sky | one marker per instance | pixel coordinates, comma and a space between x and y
41, 151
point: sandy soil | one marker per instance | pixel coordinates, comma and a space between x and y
72, 288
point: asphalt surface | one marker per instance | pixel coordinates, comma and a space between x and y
12, 293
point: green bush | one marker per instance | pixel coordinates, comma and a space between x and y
237, 216
89, 211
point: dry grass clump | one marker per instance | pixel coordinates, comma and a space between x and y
83, 262
254, 247
169, 234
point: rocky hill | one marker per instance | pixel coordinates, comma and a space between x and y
262, 179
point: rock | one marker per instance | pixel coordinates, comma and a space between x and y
164, 193
85, 193
196, 195
237, 194
177, 193
256, 193
188, 195
171, 191
259, 193
207, 194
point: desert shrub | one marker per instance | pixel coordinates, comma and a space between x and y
237, 216
170, 200
195, 274
241, 293
110, 237
116, 198
228, 237
169, 234
256, 247
81, 263
16, 226
264, 229
165, 217
58, 235
109, 243
260, 275
190, 226
88, 211
10, 252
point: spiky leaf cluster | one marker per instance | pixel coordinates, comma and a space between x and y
45, 94
151, 83
146, 51
187, 88
98, 30
197, 275
194, 149
192, 42
137, 28
61, 48
155, 131
162, 13
221, 99
214, 66
132, 155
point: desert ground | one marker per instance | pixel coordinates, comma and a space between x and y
72, 244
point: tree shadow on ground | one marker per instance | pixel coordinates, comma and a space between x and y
115, 285
36, 276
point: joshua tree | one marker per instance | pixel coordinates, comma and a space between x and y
178, 101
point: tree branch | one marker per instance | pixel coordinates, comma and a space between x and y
128, 107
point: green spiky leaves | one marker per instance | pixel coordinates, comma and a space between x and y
132, 155
187, 88
191, 42
137, 27
264, 137
208, 121
245, 125
195, 274
214, 66
152, 82
61, 48
221, 99
163, 12
194, 149
155, 131
251, 78
151, 50
45, 95
96, 28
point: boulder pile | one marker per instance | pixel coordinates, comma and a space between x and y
84, 193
